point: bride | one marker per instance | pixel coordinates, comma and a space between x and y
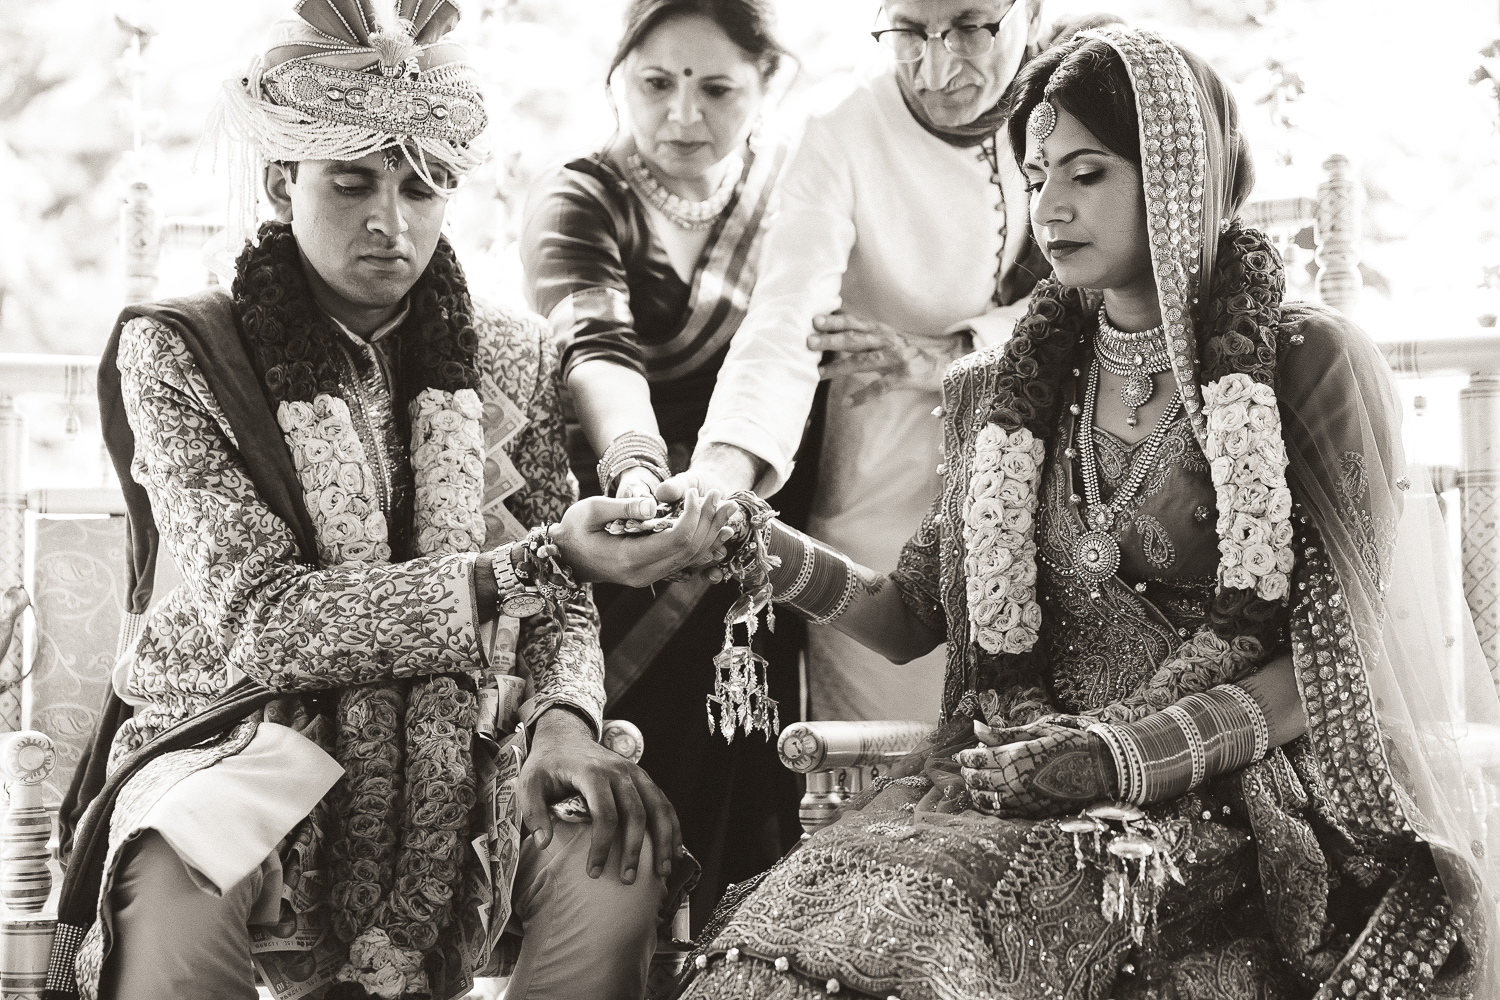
1204, 707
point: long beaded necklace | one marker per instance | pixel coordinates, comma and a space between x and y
694, 216
1135, 357
1096, 554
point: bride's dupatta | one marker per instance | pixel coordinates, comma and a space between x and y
1320, 858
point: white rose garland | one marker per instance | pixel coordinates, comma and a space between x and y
340, 488
448, 470
330, 461
1248, 462
1000, 563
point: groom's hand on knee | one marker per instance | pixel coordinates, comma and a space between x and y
624, 803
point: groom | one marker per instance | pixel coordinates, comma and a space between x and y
345, 457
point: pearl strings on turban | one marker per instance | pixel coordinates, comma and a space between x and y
346, 78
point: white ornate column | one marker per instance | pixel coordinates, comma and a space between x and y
26, 760
140, 235
1479, 467
1479, 486
1337, 234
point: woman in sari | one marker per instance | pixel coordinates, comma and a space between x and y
1204, 705
643, 256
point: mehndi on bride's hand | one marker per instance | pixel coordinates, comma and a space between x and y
1044, 769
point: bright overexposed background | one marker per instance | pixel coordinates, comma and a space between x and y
1400, 88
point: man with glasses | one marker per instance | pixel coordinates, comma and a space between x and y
901, 243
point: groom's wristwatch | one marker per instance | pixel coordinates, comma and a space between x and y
516, 599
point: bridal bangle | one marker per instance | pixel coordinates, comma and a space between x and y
1173, 751
813, 579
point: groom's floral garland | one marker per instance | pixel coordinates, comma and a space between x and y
1244, 448
408, 788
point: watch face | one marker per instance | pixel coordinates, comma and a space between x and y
523, 605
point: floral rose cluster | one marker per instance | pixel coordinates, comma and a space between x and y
383, 969
447, 460
1248, 461
363, 856
1203, 661
439, 795
999, 519
337, 483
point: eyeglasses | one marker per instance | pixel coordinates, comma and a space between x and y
967, 41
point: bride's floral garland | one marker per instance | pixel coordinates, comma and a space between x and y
1244, 448
408, 788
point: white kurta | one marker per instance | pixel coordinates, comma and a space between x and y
883, 220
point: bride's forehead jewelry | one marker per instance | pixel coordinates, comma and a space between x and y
1042, 121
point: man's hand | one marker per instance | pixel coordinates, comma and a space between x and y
1039, 770
897, 360
624, 802
721, 467
594, 554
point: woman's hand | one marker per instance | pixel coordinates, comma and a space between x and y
637, 482
594, 554
1044, 769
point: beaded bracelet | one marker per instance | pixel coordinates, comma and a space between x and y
1129, 767
542, 566
632, 450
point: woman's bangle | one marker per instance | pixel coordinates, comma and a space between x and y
824, 584
632, 450
1256, 717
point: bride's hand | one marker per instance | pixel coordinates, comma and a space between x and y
697, 537
1039, 770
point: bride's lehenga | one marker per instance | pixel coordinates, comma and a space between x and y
905, 897
1348, 863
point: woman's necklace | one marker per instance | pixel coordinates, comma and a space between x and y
1096, 554
1135, 357
694, 216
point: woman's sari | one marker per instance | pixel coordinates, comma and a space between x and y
603, 278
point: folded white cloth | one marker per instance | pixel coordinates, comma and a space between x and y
226, 819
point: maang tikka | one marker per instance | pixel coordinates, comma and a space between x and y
1042, 122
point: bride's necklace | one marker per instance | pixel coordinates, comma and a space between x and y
1096, 554
694, 216
1135, 357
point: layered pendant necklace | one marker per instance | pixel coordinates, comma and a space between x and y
1135, 357
1096, 554
694, 216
